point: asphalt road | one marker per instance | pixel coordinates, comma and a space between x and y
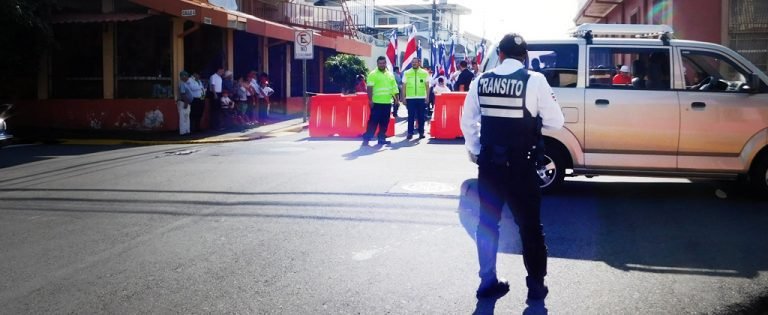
291, 225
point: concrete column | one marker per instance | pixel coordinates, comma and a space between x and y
264, 54
725, 23
288, 57
321, 69
108, 60
107, 6
177, 46
230, 49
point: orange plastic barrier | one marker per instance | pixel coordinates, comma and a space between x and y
446, 118
337, 114
341, 115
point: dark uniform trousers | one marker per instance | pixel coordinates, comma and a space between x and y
416, 112
514, 181
379, 119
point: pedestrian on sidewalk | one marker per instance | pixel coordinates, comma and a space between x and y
198, 105
415, 96
265, 92
184, 103
228, 117
215, 86
501, 131
241, 98
399, 80
382, 91
253, 101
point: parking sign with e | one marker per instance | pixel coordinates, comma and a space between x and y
303, 47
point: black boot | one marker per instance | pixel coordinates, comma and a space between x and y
536, 288
495, 288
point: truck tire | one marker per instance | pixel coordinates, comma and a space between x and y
552, 174
758, 176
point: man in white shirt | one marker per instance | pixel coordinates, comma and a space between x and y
214, 91
198, 105
502, 130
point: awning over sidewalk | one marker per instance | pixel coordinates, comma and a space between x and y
98, 18
595, 10
202, 12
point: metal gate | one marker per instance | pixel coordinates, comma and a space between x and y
748, 30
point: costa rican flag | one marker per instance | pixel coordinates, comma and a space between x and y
451, 62
392, 51
480, 52
410, 49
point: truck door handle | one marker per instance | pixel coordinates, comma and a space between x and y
601, 101
698, 105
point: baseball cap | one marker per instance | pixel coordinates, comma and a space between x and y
624, 69
513, 44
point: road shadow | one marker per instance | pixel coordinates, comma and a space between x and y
672, 228
20, 155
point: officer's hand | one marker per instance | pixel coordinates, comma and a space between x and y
472, 157
370, 103
405, 101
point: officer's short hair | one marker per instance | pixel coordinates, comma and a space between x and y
381, 58
513, 44
463, 64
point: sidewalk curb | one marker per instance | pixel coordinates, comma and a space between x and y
256, 135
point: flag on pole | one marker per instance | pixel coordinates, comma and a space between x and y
418, 50
480, 52
410, 49
441, 57
433, 61
392, 50
450, 66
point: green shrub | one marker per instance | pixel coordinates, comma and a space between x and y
343, 70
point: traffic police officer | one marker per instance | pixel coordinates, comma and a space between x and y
415, 97
501, 130
382, 91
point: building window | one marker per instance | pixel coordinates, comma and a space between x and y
76, 66
143, 59
387, 21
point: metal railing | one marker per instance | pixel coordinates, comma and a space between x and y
748, 30
324, 19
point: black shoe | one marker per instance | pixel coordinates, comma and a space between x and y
536, 288
494, 289
384, 142
421, 137
365, 143
409, 137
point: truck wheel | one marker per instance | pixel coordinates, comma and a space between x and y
552, 173
758, 176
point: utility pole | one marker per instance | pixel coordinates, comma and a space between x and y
434, 17
434, 30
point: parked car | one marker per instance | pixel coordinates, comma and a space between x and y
5, 137
694, 109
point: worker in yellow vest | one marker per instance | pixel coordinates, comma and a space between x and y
382, 91
415, 96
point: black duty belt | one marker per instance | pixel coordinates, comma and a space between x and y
504, 155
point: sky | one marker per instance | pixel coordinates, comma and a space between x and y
533, 19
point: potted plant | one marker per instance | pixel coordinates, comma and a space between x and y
343, 70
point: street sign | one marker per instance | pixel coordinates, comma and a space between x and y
303, 47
